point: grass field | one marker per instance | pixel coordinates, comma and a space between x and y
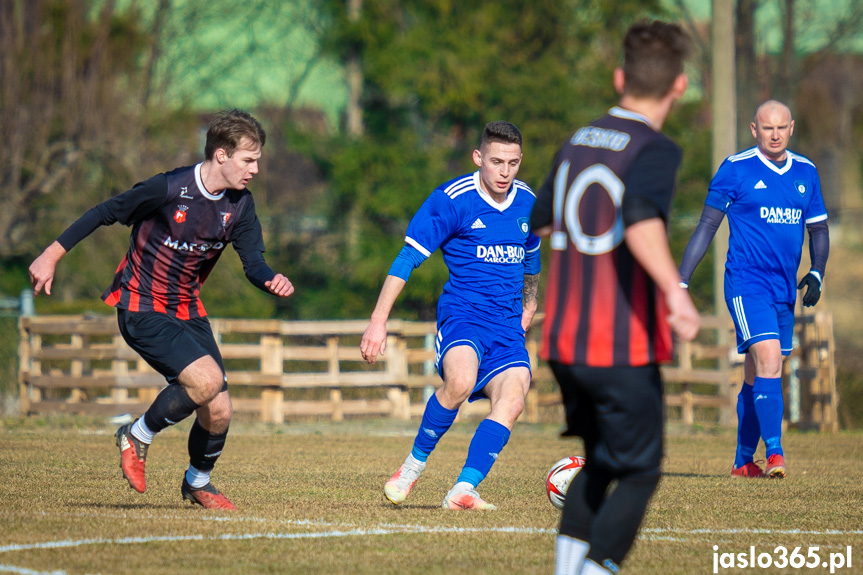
310, 500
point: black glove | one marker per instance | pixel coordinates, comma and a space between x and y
813, 289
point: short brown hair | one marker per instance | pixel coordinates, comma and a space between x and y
654, 53
228, 128
503, 132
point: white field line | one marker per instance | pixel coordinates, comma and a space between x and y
753, 531
25, 571
657, 531
248, 536
353, 529
340, 531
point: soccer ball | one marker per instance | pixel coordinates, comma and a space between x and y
559, 476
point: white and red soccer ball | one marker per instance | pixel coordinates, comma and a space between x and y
558, 478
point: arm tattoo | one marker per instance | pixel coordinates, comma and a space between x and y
531, 287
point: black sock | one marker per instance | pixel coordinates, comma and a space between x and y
171, 406
616, 524
205, 447
584, 496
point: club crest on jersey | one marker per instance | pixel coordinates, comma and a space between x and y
524, 226
225, 217
800, 186
180, 214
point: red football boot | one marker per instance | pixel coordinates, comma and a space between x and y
207, 496
133, 456
750, 469
775, 466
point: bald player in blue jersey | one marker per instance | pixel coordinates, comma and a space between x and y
480, 222
769, 194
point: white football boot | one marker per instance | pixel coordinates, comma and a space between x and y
463, 495
400, 484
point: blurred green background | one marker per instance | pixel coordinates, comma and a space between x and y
368, 105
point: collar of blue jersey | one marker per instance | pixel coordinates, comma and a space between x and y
510, 196
201, 187
619, 112
789, 159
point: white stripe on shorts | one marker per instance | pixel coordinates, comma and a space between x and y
741, 318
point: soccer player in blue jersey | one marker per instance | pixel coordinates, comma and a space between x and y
769, 194
480, 223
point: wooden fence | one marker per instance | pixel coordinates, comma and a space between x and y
284, 370
701, 384
816, 375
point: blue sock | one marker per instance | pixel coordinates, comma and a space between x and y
487, 442
436, 421
769, 406
748, 431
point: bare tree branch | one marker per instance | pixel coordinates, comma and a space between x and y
844, 28
64, 74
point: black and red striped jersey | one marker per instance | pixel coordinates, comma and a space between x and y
179, 230
601, 307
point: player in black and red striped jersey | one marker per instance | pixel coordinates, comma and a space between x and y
614, 298
181, 223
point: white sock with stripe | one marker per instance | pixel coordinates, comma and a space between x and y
141, 432
197, 478
569, 555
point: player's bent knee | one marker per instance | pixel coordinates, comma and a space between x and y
508, 409
214, 388
221, 418
207, 387
774, 366
770, 368
216, 415
456, 390
767, 358
516, 405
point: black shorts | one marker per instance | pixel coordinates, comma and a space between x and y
618, 412
169, 344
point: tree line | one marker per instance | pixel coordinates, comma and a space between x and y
86, 110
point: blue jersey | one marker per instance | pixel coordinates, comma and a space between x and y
487, 247
767, 208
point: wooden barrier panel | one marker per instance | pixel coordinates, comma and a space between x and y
816, 374
82, 365
702, 383
311, 369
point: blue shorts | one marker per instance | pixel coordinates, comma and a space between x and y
497, 347
760, 318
